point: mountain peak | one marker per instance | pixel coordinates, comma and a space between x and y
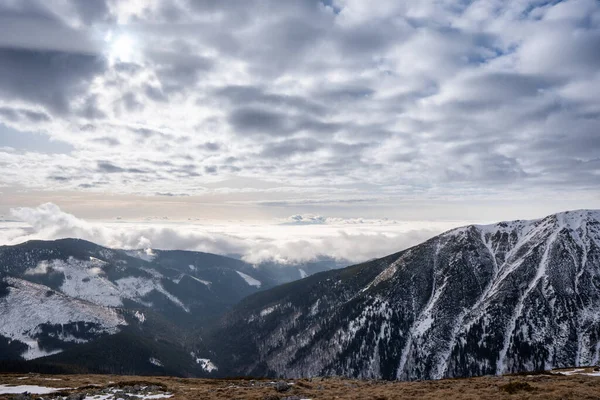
571, 219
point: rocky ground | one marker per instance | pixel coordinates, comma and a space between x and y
579, 384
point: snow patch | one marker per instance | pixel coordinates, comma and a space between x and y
383, 275
250, 280
97, 261
84, 280
8, 389
155, 361
206, 364
118, 394
268, 311
29, 305
136, 288
207, 283
140, 316
576, 371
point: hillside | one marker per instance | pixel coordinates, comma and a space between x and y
77, 303
477, 300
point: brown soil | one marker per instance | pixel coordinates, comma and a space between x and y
542, 386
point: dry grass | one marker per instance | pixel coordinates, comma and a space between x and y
506, 387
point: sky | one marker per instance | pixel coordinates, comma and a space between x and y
238, 118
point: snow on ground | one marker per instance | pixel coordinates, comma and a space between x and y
303, 273
268, 310
577, 371
155, 361
135, 288
250, 280
206, 364
85, 280
118, 394
207, 283
28, 305
7, 389
34, 350
140, 316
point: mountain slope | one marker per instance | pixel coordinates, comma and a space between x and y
75, 303
499, 298
55, 296
34, 315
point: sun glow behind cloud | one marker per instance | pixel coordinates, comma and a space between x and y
121, 47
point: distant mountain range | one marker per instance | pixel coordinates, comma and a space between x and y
481, 299
74, 302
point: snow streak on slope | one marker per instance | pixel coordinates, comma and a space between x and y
250, 280
540, 274
29, 305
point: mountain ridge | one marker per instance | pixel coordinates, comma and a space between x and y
74, 294
475, 300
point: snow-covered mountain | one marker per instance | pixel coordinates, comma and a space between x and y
57, 295
29, 312
513, 296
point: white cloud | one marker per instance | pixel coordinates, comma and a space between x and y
159, 97
353, 240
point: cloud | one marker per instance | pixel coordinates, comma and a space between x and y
48, 78
304, 238
482, 97
307, 219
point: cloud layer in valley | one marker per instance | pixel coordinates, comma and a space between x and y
379, 100
352, 240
